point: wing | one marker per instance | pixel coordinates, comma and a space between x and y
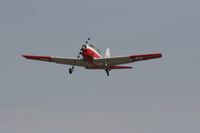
59, 60
113, 61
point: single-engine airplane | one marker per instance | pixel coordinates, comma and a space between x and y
93, 59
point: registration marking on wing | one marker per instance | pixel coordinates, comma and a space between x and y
139, 58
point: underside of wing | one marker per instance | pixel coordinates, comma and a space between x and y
59, 60
113, 61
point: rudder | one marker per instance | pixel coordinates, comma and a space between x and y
107, 55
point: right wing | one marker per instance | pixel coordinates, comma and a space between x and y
59, 60
113, 61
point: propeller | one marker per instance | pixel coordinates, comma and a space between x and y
88, 40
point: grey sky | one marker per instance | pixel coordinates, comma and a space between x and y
156, 96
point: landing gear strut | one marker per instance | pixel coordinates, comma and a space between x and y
107, 72
71, 69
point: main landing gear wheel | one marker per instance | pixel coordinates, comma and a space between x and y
71, 70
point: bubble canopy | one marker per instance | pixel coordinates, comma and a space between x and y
94, 47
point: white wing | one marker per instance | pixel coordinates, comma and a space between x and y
113, 61
59, 60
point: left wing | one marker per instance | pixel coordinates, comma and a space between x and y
113, 61
59, 60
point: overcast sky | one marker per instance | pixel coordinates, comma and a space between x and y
157, 96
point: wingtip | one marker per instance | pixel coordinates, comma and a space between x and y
24, 56
36, 57
27, 56
159, 55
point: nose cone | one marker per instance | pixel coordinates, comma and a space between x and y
83, 48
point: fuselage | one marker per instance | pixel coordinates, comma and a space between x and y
90, 52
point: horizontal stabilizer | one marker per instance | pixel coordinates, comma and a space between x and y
121, 67
111, 67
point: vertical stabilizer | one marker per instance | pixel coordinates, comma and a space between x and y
107, 55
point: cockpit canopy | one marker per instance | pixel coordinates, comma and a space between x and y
94, 47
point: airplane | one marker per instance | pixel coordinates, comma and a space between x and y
90, 57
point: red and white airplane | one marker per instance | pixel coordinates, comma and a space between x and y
92, 59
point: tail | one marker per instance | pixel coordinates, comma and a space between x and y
107, 55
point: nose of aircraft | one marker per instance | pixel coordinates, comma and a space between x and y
81, 51
83, 48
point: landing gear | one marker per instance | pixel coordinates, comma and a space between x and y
107, 69
71, 69
107, 72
